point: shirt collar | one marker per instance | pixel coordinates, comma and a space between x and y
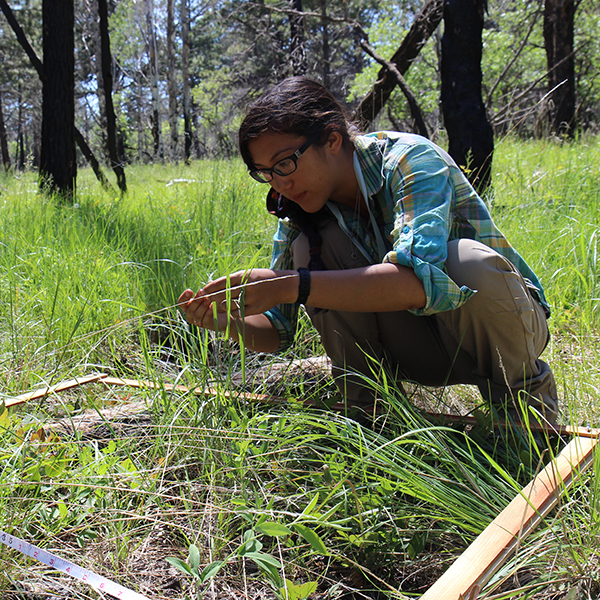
369, 149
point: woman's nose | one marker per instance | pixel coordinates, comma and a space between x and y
281, 183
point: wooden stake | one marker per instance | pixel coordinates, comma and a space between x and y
59, 387
475, 566
150, 385
208, 392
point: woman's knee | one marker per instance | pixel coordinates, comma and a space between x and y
476, 265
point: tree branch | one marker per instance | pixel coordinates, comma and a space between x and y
423, 26
415, 111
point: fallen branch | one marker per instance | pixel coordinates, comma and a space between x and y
59, 387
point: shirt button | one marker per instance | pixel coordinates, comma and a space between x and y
405, 229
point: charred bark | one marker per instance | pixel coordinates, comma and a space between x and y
297, 50
4, 139
58, 167
470, 135
325, 52
559, 19
38, 66
107, 84
185, 75
153, 56
172, 79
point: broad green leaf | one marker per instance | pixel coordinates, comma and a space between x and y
264, 558
312, 538
251, 543
180, 565
62, 509
4, 416
269, 565
194, 558
211, 570
296, 591
274, 529
311, 505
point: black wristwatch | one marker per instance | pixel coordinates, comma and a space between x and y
304, 286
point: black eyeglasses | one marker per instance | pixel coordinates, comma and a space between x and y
283, 167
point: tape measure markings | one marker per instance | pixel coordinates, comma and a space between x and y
98, 582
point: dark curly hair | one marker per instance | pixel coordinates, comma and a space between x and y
297, 106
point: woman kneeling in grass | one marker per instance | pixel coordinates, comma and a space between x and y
393, 254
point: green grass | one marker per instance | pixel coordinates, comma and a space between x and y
259, 494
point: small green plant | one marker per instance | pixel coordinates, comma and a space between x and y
251, 549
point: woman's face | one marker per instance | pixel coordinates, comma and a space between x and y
314, 180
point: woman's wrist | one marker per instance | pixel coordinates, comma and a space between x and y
303, 285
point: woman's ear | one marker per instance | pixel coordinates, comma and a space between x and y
335, 141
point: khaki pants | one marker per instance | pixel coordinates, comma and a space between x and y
492, 341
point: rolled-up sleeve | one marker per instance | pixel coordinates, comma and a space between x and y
423, 198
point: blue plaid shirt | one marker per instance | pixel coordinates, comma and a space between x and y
421, 200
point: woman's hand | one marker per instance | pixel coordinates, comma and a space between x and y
239, 295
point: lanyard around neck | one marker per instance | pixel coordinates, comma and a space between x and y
381, 247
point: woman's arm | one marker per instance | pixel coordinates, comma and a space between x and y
382, 287
239, 300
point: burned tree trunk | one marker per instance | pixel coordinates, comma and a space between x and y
36, 63
559, 18
470, 136
153, 56
172, 80
3, 138
297, 50
325, 52
185, 76
58, 167
107, 84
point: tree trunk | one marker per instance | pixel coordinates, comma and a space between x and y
470, 136
96, 47
107, 84
559, 20
325, 58
3, 138
37, 65
172, 79
58, 167
297, 50
20, 149
185, 75
153, 54
422, 28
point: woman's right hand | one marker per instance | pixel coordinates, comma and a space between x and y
198, 310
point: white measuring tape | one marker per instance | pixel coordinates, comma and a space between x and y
99, 583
